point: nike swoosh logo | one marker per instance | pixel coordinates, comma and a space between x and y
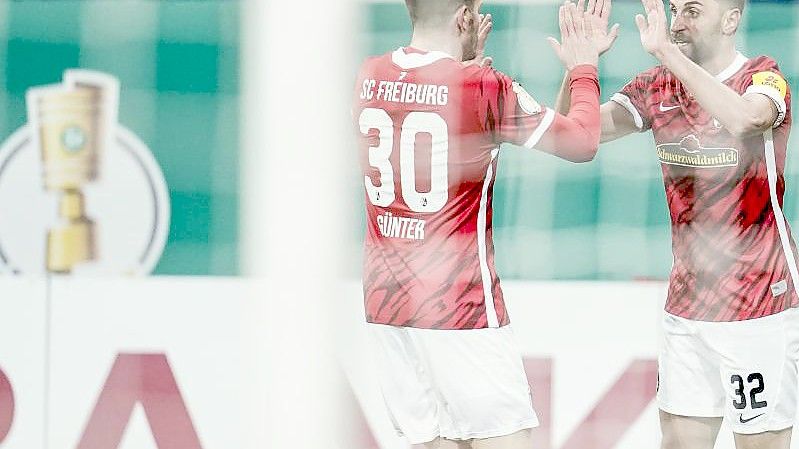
744, 421
667, 108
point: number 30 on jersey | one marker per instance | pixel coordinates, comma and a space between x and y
415, 122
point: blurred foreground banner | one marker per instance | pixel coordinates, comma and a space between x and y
170, 363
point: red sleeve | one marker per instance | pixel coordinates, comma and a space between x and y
507, 111
575, 137
511, 114
634, 97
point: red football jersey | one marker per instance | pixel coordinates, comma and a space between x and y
430, 130
734, 257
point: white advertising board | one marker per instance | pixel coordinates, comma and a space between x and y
168, 363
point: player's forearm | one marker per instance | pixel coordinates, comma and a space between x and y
584, 108
564, 95
724, 104
584, 96
610, 129
575, 137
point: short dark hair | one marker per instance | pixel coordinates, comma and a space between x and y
735, 4
434, 11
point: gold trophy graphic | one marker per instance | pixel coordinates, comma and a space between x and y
80, 193
71, 123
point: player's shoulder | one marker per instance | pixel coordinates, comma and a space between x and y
374, 63
763, 72
369, 60
644, 83
761, 69
486, 75
652, 75
487, 80
762, 63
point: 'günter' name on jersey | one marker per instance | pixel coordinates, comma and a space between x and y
400, 227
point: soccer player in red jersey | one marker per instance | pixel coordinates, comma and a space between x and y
430, 127
720, 122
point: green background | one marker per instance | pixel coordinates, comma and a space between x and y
606, 219
178, 63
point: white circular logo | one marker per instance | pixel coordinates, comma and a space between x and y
129, 204
73, 138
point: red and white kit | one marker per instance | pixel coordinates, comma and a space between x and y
730, 327
430, 129
430, 132
734, 257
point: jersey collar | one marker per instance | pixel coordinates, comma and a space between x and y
736, 65
415, 60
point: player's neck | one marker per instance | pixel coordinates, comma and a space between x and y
436, 41
720, 60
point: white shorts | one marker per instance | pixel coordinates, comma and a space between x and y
455, 384
744, 371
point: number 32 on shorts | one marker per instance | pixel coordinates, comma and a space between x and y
754, 384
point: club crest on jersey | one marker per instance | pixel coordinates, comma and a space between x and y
689, 152
526, 101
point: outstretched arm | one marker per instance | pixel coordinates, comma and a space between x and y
575, 136
597, 13
741, 115
615, 121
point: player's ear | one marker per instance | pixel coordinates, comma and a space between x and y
464, 19
730, 21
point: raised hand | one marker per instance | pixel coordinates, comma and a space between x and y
485, 27
598, 14
654, 28
578, 44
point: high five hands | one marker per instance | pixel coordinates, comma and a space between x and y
486, 24
654, 28
584, 32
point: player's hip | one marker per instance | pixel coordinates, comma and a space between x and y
469, 308
738, 293
745, 371
456, 384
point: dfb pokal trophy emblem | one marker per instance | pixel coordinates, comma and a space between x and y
102, 205
68, 128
